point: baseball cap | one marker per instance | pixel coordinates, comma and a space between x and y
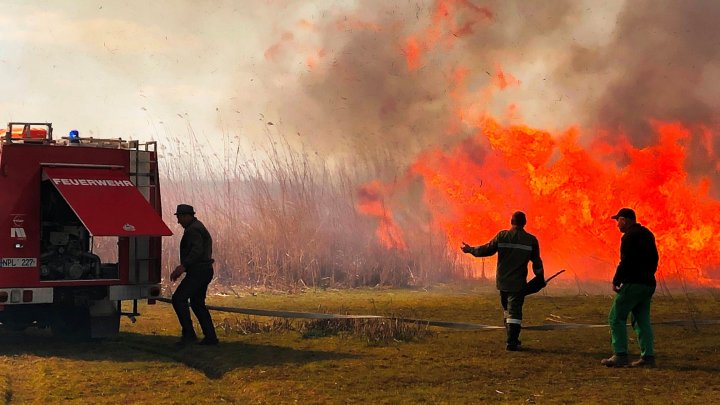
625, 213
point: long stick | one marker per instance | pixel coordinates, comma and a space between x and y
554, 275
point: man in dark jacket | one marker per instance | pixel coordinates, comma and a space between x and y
634, 283
515, 248
196, 262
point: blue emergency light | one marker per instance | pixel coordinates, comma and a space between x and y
74, 136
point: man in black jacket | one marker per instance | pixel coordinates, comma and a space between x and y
196, 262
634, 283
515, 248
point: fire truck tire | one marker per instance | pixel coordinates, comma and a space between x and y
71, 323
17, 326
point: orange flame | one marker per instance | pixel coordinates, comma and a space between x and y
568, 186
568, 190
371, 202
446, 28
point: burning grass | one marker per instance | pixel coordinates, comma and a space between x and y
428, 166
290, 221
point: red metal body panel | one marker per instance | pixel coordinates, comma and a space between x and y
21, 168
107, 202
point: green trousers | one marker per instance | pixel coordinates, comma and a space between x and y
635, 299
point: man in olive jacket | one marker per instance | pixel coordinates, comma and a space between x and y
634, 283
515, 248
196, 262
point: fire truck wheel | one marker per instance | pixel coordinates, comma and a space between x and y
17, 326
71, 323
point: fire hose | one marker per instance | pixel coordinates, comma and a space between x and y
533, 286
429, 322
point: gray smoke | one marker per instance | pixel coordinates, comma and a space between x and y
662, 63
616, 66
332, 75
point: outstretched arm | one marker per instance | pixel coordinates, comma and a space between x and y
487, 249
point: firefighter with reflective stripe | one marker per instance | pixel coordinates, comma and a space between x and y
634, 282
196, 262
515, 248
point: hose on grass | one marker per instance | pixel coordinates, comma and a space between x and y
441, 324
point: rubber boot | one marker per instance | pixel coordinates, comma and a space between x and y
617, 360
513, 337
645, 361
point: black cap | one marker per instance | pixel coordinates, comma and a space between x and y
185, 209
518, 218
625, 213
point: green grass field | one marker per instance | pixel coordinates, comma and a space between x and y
143, 366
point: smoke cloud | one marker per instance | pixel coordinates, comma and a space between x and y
618, 67
335, 76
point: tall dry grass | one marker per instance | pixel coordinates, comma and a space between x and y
284, 218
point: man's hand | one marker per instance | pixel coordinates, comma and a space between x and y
179, 270
466, 248
616, 288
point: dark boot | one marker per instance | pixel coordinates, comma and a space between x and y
513, 337
205, 320
645, 361
617, 360
208, 328
187, 339
182, 309
209, 341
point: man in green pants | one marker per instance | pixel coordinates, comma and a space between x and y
515, 248
634, 283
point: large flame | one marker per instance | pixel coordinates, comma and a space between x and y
569, 189
569, 193
569, 182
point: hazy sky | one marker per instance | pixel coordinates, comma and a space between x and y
139, 68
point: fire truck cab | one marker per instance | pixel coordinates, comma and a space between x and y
80, 230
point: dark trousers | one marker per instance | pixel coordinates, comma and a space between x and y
512, 303
194, 288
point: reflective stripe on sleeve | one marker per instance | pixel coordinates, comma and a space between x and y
515, 321
515, 246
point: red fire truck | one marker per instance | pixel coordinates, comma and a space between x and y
82, 225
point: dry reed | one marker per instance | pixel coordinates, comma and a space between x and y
289, 219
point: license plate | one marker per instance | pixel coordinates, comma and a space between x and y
18, 262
